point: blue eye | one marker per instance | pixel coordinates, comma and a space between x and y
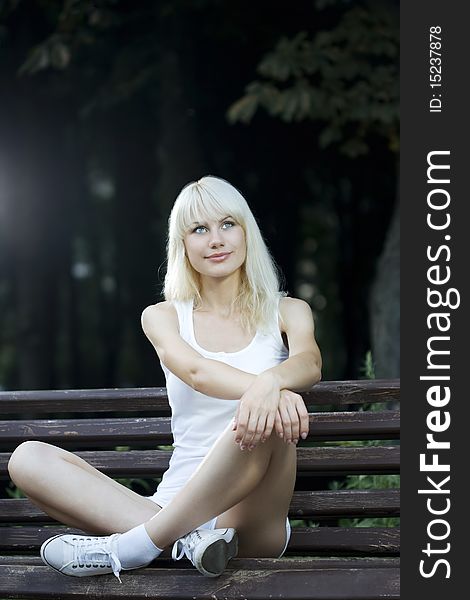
203, 228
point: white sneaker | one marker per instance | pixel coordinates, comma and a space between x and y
82, 555
208, 549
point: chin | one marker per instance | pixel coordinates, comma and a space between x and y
220, 271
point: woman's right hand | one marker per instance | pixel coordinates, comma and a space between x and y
292, 420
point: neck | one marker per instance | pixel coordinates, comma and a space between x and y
217, 294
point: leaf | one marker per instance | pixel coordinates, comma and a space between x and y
286, 60
328, 136
354, 148
37, 60
59, 55
243, 110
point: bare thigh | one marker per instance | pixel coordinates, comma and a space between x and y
73, 492
260, 518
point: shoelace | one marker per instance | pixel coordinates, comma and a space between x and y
96, 552
186, 546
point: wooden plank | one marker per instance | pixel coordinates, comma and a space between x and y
332, 460
343, 540
110, 432
176, 584
354, 425
339, 393
315, 505
156, 430
155, 400
292, 562
373, 541
345, 503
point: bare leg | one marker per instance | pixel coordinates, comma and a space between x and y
260, 518
73, 492
244, 485
250, 490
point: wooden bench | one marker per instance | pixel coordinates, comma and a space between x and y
118, 431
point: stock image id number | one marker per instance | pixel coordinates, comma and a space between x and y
435, 67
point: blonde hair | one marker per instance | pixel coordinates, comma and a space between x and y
214, 198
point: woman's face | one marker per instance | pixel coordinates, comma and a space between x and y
216, 248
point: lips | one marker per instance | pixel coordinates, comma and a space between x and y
218, 257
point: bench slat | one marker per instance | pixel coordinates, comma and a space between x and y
331, 460
345, 503
335, 460
323, 426
373, 541
155, 400
294, 562
332, 540
317, 505
176, 584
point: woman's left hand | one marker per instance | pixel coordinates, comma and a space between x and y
257, 411
292, 422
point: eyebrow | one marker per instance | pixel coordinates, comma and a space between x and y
220, 220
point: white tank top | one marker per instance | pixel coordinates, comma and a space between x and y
198, 420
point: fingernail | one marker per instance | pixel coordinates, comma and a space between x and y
242, 447
281, 434
250, 447
296, 442
304, 436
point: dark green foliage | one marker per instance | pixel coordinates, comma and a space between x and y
346, 77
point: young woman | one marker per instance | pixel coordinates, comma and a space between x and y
235, 351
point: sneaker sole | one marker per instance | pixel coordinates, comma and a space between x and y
216, 556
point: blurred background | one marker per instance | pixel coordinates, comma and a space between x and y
108, 108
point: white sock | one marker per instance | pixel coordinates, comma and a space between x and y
136, 549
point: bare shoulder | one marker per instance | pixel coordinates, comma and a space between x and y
158, 310
292, 308
157, 315
299, 328
290, 303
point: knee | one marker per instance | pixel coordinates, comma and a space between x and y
24, 461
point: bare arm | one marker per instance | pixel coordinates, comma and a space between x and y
303, 367
210, 377
263, 406
214, 378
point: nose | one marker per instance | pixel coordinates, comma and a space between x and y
216, 238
